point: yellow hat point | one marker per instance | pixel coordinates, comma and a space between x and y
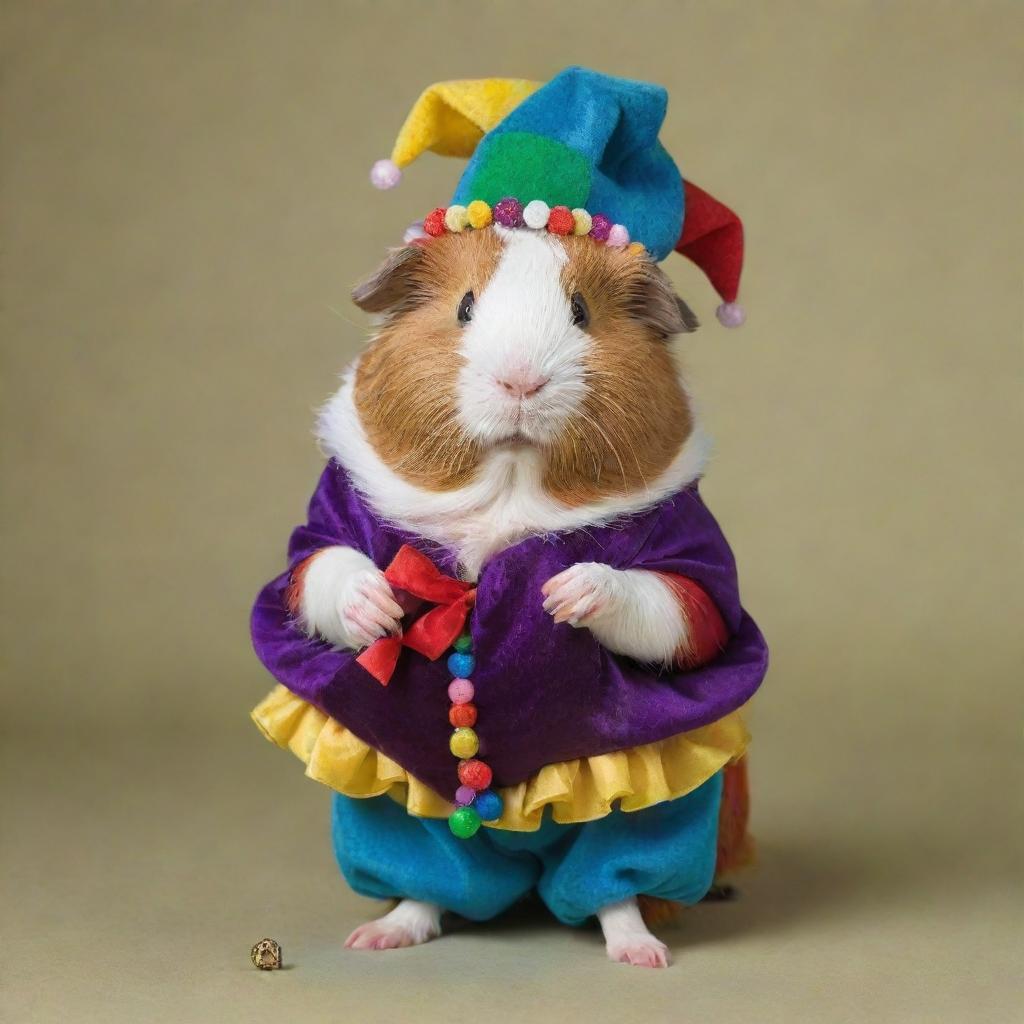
450, 118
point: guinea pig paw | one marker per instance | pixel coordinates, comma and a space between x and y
640, 949
580, 594
369, 610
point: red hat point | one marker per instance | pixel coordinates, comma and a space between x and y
713, 239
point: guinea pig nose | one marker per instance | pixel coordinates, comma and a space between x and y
521, 385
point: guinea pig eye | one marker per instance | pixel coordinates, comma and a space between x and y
580, 313
465, 313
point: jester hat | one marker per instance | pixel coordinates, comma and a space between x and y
579, 155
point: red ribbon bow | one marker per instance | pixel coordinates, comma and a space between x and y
432, 633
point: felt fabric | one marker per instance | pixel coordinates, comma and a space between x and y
712, 237
568, 791
666, 851
546, 692
707, 633
450, 118
585, 140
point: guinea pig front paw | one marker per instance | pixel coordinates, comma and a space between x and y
368, 609
582, 593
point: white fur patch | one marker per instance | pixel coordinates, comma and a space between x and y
330, 584
522, 330
630, 611
626, 937
408, 924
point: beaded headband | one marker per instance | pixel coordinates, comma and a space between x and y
510, 213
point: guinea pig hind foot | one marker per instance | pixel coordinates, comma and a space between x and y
627, 939
410, 923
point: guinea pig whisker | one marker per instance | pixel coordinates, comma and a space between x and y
608, 441
629, 420
588, 450
351, 323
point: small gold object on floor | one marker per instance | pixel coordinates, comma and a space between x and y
266, 955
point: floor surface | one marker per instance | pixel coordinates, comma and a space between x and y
141, 872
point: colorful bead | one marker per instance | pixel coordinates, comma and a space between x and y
460, 664
475, 774
536, 214
464, 644
600, 226
508, 212
489, 805
636, 248
479, 214
618, 236
561, 220
456, 218
460, 691
581, 222
462, 715
464, 742
464, 822
465, 795
433, 223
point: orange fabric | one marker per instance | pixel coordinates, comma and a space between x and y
293, 594
735, 846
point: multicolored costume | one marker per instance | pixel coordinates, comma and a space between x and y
566, 728
594, 777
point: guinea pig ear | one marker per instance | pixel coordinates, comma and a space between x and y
393, 287
656, 305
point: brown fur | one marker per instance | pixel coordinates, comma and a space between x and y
405, 383
637, 416
633, 423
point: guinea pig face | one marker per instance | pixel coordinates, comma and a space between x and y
524, 347
502, 338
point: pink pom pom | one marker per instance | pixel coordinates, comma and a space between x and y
618, 236
385, 174
460, 691
731, 314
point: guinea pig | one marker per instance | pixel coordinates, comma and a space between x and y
518, 417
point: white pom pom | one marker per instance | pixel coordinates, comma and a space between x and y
413, 232
731, 314
536, 214
385, 174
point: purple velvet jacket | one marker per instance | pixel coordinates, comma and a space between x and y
545, 692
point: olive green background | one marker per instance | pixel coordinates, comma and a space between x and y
184, 207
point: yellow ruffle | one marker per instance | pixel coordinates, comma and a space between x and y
579, 790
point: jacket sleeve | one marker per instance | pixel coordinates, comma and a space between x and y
687, 542
305, 665
706, 632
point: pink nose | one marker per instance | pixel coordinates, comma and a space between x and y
520, 384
